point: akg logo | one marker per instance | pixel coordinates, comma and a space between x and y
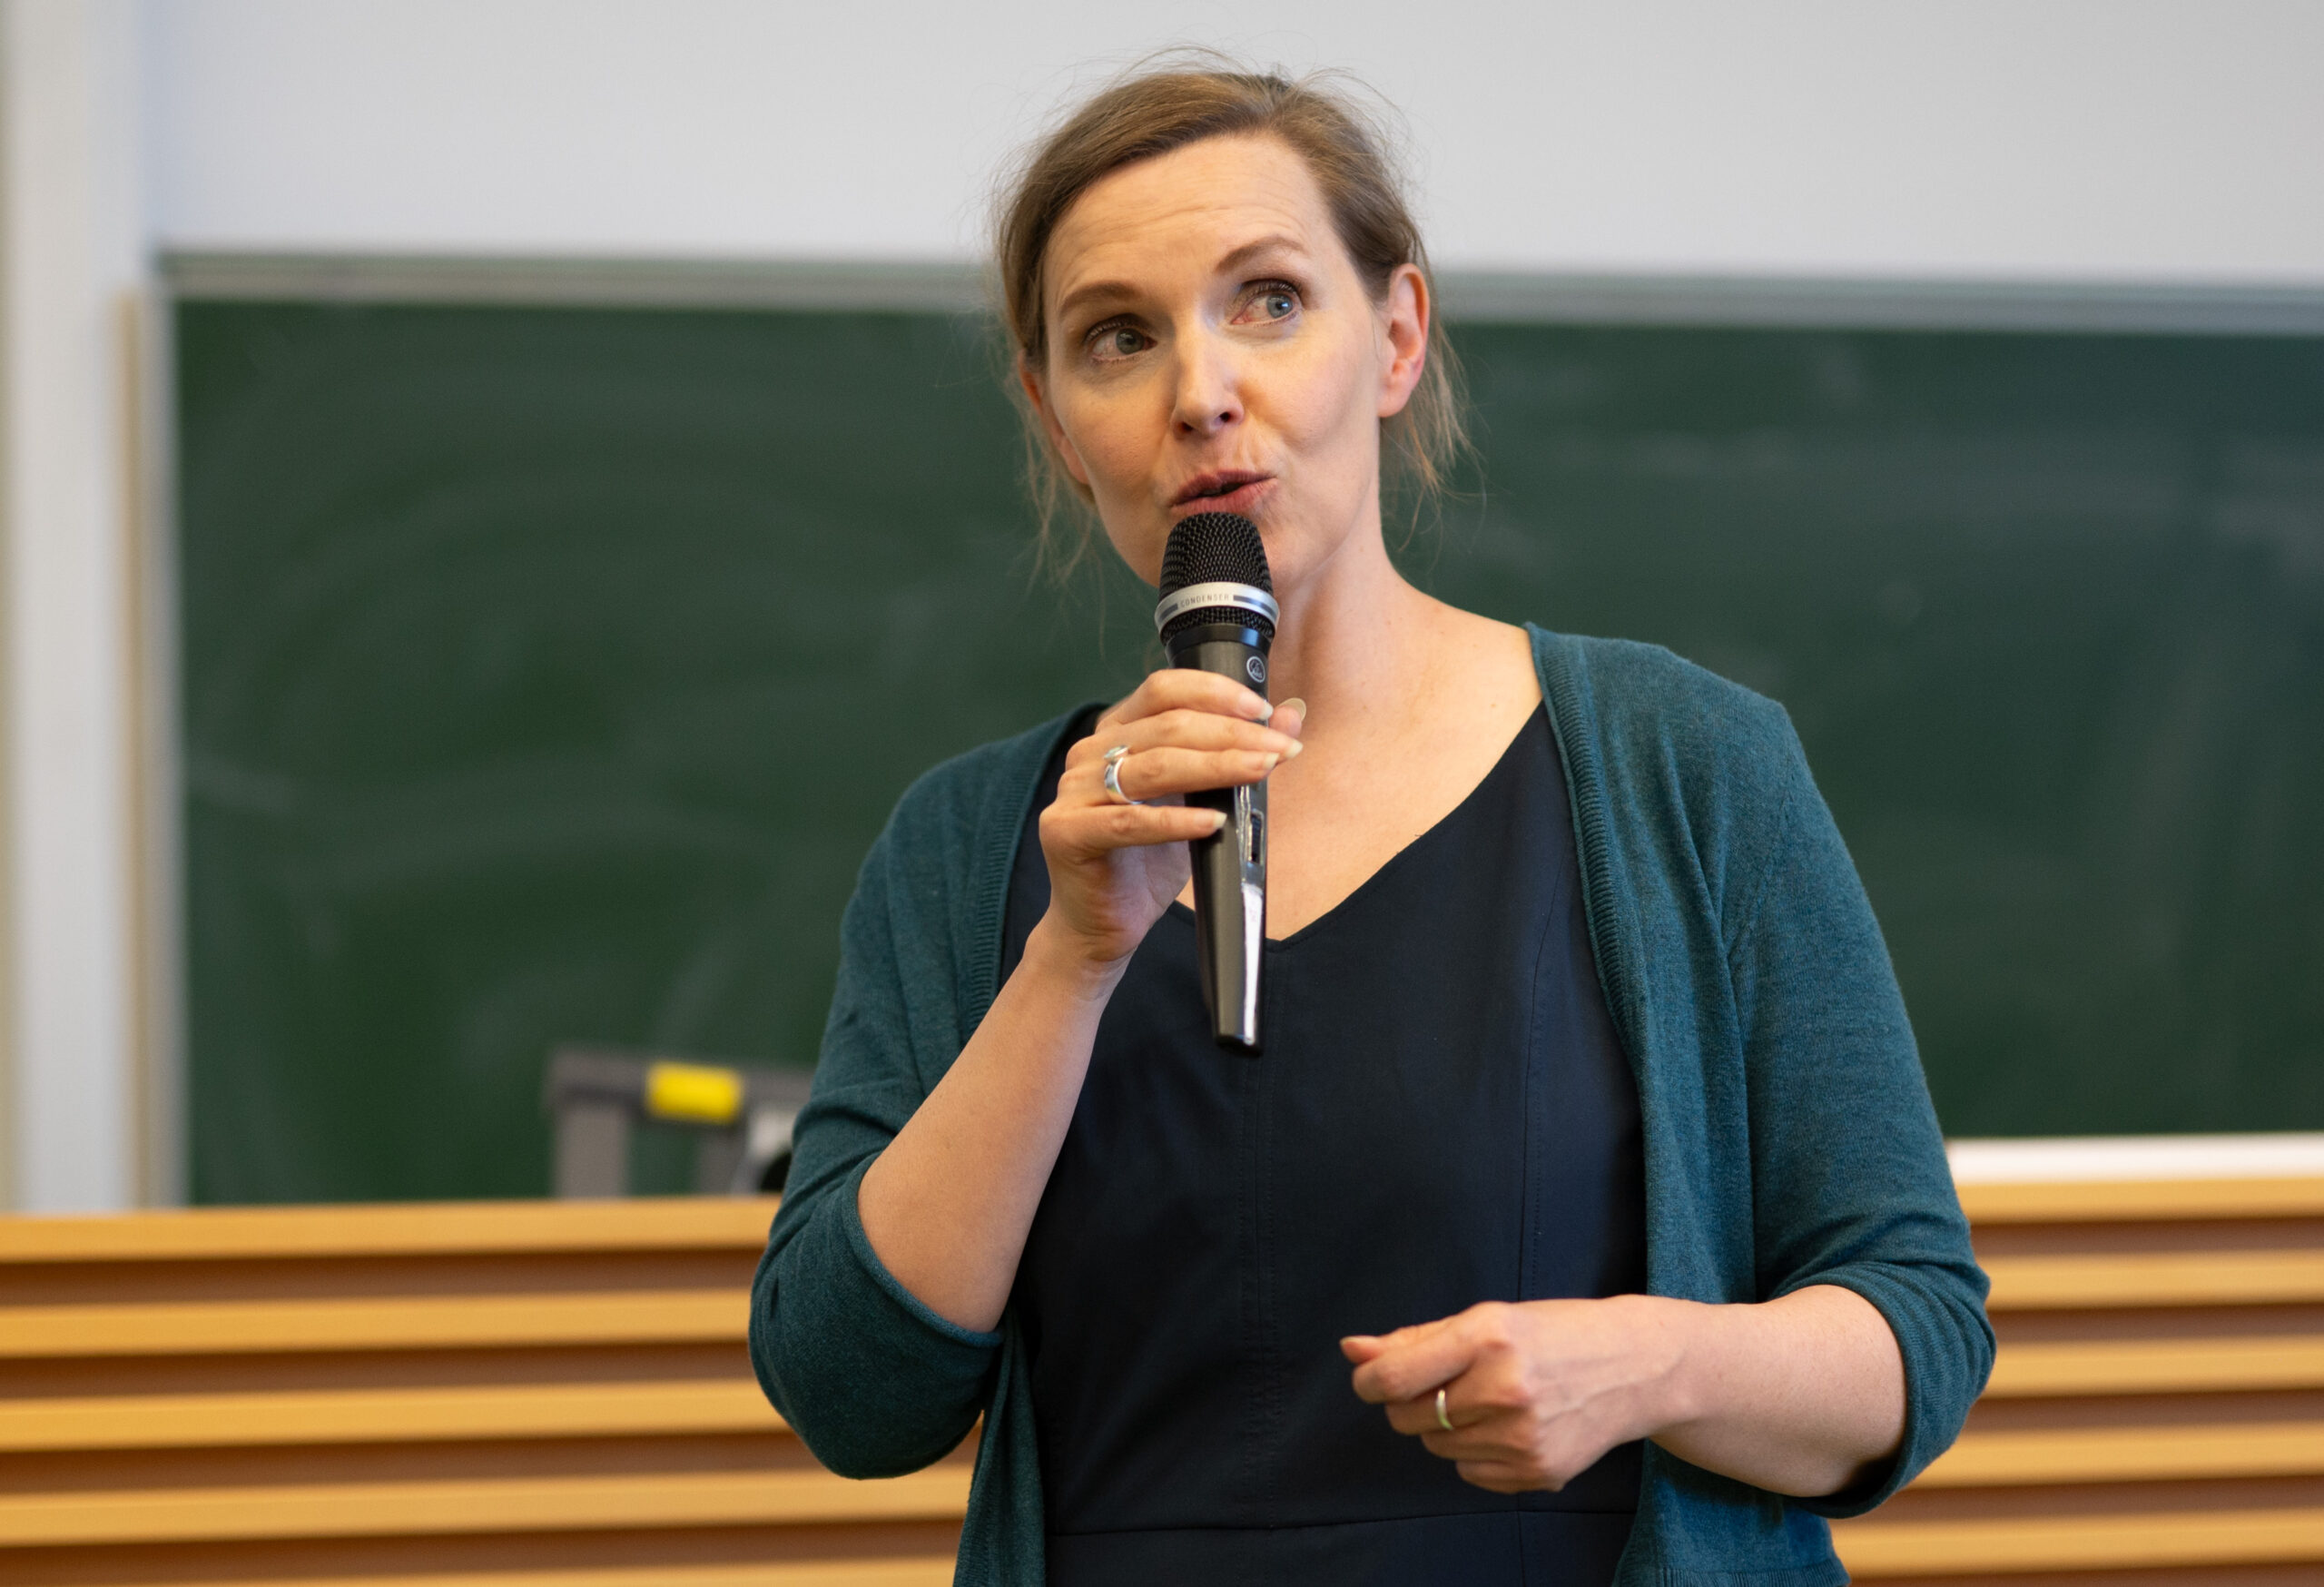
1257, 667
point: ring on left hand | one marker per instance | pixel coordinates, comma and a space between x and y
1442, 1420
1114, 776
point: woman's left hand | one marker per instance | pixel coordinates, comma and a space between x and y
1537, 1390
1803, 1394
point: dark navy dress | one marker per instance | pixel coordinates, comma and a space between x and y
1441, 1116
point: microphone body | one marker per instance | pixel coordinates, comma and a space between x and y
1217, 614
1231, 865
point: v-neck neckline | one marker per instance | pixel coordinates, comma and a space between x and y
1501, 763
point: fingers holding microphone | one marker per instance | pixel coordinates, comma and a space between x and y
1148, 761
1115, 836
1183, 730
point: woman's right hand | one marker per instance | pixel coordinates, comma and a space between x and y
1115, 868
948, 1203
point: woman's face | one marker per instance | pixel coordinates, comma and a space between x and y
1211, 347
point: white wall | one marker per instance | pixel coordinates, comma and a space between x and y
72, 238
2075, 140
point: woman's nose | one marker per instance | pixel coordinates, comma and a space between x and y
1209, 391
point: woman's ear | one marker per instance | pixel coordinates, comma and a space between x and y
1030, 379
1404, 337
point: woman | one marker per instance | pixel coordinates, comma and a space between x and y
1584, 1219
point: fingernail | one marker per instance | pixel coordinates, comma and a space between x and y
1294, 704
1274, 760
1292, 753
1217, 819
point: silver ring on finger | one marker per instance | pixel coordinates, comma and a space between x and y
1114, 776
1442, 1420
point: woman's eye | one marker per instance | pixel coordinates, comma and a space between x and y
1269, 304
1116, 341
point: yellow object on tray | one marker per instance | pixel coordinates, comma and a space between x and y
695, 1092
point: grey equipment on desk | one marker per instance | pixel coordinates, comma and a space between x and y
597, 1095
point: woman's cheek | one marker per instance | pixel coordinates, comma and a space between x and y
1116, 435
1319, 398
1118, 468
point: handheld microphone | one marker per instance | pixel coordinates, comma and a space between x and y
1219, 613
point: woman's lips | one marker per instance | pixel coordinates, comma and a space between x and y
1242, 498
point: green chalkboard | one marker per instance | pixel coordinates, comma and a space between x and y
546, 671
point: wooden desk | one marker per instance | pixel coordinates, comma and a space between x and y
520, 1394
556, 1395
2156, 1415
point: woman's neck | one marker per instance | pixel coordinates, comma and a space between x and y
1357, 642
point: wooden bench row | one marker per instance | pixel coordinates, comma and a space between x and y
431, 1322
2156, 1412
535, 1395
557, 1396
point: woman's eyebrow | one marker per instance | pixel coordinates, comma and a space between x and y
1233, 260
1240, 258
1089, 292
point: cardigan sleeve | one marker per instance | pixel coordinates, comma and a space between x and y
1850, 1182
873, 1382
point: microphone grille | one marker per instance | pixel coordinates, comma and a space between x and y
1214, 548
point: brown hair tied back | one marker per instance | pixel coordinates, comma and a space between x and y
1180, 99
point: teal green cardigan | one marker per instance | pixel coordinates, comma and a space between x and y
1790, 1138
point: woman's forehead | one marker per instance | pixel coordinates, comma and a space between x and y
1191, 209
